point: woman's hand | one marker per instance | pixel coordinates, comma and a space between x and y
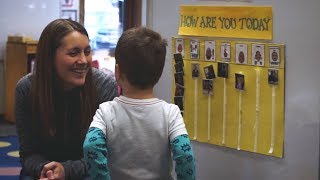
52, 170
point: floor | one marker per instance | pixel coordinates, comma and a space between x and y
7, 128
9, 156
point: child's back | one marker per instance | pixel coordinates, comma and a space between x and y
138, 136
133, 136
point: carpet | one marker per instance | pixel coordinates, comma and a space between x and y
7, 128
9, 158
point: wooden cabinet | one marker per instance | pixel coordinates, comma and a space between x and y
17, 64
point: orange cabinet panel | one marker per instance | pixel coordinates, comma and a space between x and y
17, 61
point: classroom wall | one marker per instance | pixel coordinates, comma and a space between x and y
27, 18
296, 25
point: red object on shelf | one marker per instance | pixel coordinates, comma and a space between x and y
95, 64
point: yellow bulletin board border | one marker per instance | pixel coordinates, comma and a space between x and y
251, 119
252, 22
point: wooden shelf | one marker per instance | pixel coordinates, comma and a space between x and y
16, 66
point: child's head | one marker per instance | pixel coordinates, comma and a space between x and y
140, 56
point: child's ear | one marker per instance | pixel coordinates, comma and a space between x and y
117, 72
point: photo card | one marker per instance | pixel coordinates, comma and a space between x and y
273, 76
178, 100
178, 58
194, 49
274, 56
258, 54
225, 51
69, 14
179, 78
179, 67
179, 90
239, 81
241, 53
180, 46
209, 72
210, 50
223, 69
195, 67
207, 86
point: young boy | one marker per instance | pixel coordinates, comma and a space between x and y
132, 137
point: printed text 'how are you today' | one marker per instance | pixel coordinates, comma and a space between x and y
226, 23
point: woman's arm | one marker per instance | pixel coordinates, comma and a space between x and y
75, 169
107, 88
31, 160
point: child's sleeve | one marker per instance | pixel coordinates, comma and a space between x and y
183, 156
95, 154
180, 146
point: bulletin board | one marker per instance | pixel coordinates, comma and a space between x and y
231, 92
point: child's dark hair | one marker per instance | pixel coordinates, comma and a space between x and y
140, 55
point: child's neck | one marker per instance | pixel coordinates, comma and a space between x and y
135, 93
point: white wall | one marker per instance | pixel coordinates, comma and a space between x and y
28, 18
296, 24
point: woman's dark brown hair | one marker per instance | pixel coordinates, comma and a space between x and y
44, 81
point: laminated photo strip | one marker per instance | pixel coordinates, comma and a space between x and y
239, 120
179, 90
207, 88
257, 119
195, 67
257, 54
273, 76
180, 46
241, 53
239, 81
274, 56
210, 50
194, 49
195, 71
209, 72
178, 67
179, 79
178, 100
178, 58
223, 70
225, 51
239, 85
273, 81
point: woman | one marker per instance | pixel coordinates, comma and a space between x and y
55, 104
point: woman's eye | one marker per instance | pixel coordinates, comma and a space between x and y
87, 52
73, 54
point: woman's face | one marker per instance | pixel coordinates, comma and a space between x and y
73, 59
